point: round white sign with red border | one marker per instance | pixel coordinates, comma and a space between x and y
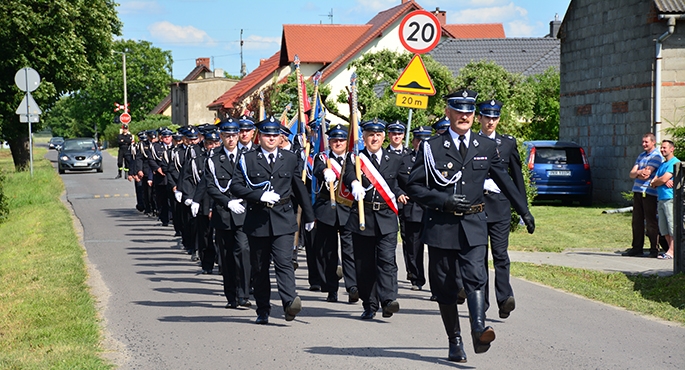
420, 31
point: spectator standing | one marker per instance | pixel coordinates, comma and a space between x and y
663, 182
645, 198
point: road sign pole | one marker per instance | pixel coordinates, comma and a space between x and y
28, 115
406, 136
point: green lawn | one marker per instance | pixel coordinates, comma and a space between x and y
558, 228
48, 319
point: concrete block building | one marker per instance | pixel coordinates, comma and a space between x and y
622, 70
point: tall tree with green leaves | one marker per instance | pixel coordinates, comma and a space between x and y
544, 124
65, 41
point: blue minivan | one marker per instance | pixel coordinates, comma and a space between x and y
559, 170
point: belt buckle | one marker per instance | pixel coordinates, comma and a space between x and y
270, 205
376, 206
458, 213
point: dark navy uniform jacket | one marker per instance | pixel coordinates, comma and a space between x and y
159, 157
412, 211
262, 220
497, 206
481, 159
384, 220
322, 205
223, 218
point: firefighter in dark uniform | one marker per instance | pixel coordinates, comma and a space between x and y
268, 178
158, 160
246, 134
176, 160
441, 125
498, 207
447, 179
187, 182
124, 141
201, 206
146, 178
375, 246
412, 216
135, 173
331, 221
228, 217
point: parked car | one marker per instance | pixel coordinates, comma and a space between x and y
559, 170
55, 142
80, 154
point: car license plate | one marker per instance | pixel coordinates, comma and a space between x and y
558, 173
80, 164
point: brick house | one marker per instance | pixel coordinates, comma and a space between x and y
622, 75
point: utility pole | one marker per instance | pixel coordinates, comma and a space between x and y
243, 72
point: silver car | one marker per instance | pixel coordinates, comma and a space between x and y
80, 154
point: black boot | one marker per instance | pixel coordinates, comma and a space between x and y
118, 175
450, 318
482, 335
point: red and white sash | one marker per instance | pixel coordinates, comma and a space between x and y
378, 182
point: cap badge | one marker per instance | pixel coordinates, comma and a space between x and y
449, 165
492, 102
464, 93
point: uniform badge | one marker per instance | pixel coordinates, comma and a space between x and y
475, 143
386, 158
464, 94
445, 174
222, 158
446, 144
260, 155
413, 159
499, 141
449, 165
280, 155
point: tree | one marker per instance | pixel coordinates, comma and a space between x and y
377, 73
492, 81
544, 124
285, 93
66, 41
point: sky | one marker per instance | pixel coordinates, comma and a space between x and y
212, 29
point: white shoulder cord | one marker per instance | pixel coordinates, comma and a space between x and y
438, 178
212, 170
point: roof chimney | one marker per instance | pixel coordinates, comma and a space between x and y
441, 15
554, 27
202, 62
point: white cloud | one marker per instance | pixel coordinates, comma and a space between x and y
140, 7
493, 14
376, 5
519, 28
255, 42
169, 32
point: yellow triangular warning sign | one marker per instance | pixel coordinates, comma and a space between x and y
414, 79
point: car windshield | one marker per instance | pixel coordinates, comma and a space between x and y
558, 156
79, 145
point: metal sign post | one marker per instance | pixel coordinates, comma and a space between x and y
27, 79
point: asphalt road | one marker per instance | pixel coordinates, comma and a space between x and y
159, 313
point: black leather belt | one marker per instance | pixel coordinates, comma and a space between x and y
270, 205
478, 208
377, 206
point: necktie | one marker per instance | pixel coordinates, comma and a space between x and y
340, 160
231, 158
272, 159
375, 160
462, 146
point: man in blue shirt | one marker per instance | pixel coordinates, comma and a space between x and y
645, 198
663, 182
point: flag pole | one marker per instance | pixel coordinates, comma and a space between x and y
354, 124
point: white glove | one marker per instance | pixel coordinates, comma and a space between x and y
235, 206
329, 175
270, 197
178, 195
188, 201
309, 226
194, 207
358, 190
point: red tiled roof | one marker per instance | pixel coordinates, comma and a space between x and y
166, 102
318, 43
476, 31
248, 82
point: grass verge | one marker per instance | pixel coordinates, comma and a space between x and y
661, 297
48, 320
559, 228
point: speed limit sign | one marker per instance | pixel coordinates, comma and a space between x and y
420, 31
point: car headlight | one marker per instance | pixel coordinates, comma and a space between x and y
95, 157
64, 158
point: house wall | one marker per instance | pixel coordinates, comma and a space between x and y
673, 80
179, 104
202, 92
607, 58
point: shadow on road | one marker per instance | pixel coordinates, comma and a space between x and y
379, 352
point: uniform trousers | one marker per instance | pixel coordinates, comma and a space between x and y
147, 196
499, 243
376, 269
326, 241
189, 229
234, 254
644, 211
140, 198
205, 242
162, 200
176, 214
279, 250
446, 265
413, 252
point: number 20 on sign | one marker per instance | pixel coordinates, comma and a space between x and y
411, 101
